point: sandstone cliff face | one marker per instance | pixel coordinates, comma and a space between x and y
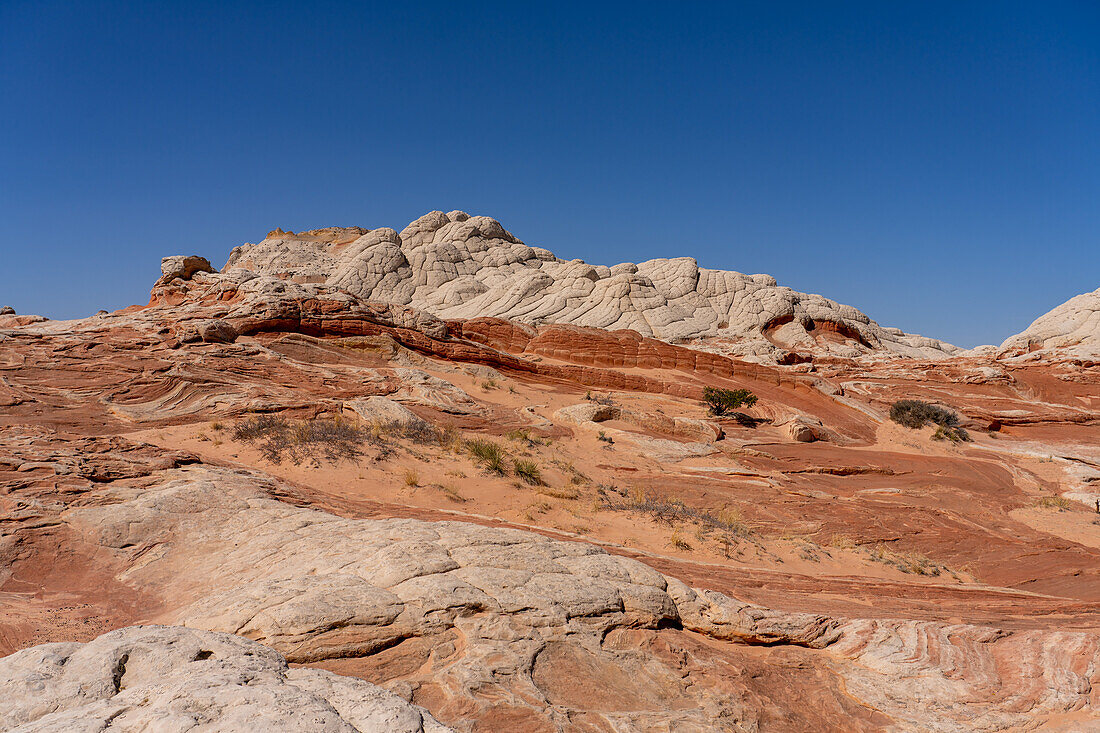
460, 266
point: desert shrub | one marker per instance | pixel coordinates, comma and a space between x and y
419, 432
955, 435
916, 414
528, 471
1057, 503
520, 435
450, 439
670, 511
412, 478
278, 438
604, 437
912, 563
489, 454
722, 401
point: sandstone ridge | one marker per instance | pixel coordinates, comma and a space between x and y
460, 266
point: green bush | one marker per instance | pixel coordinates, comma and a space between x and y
723, 401
916, 414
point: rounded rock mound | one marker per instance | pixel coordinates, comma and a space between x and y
458, 266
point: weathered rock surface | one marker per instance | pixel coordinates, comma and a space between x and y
183, 267
489, 628
385, 412
1073, 327
170, 678
460, 266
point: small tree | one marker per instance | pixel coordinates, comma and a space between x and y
723, 401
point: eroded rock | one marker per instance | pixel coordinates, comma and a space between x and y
144, 678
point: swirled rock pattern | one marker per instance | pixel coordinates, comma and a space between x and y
460, 266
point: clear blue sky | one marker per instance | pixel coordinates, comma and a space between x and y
936, 165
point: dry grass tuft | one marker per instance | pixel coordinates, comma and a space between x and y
306, 440
452, 493
562, 493
679, 542
489, 454
907, 562
528, 471
1055, 503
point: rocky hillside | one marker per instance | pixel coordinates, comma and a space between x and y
460, 266
262, 502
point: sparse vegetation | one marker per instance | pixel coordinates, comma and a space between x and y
842, 542
679, 542
450, 439
523, 435
519, 435
916, 414
452, 493
1055, 503
724, 401
604, 437
412, 478
575, 475
528, 471
488, 384
489, 454
907, 562
955, 435
670, 511
278, 438
563, 493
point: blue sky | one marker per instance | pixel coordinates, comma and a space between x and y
936, 165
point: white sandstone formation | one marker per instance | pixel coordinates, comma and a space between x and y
1073, 326
171, 678
460, 266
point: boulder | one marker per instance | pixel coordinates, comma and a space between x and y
385, 412
216, 331
588, 412
183, 267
